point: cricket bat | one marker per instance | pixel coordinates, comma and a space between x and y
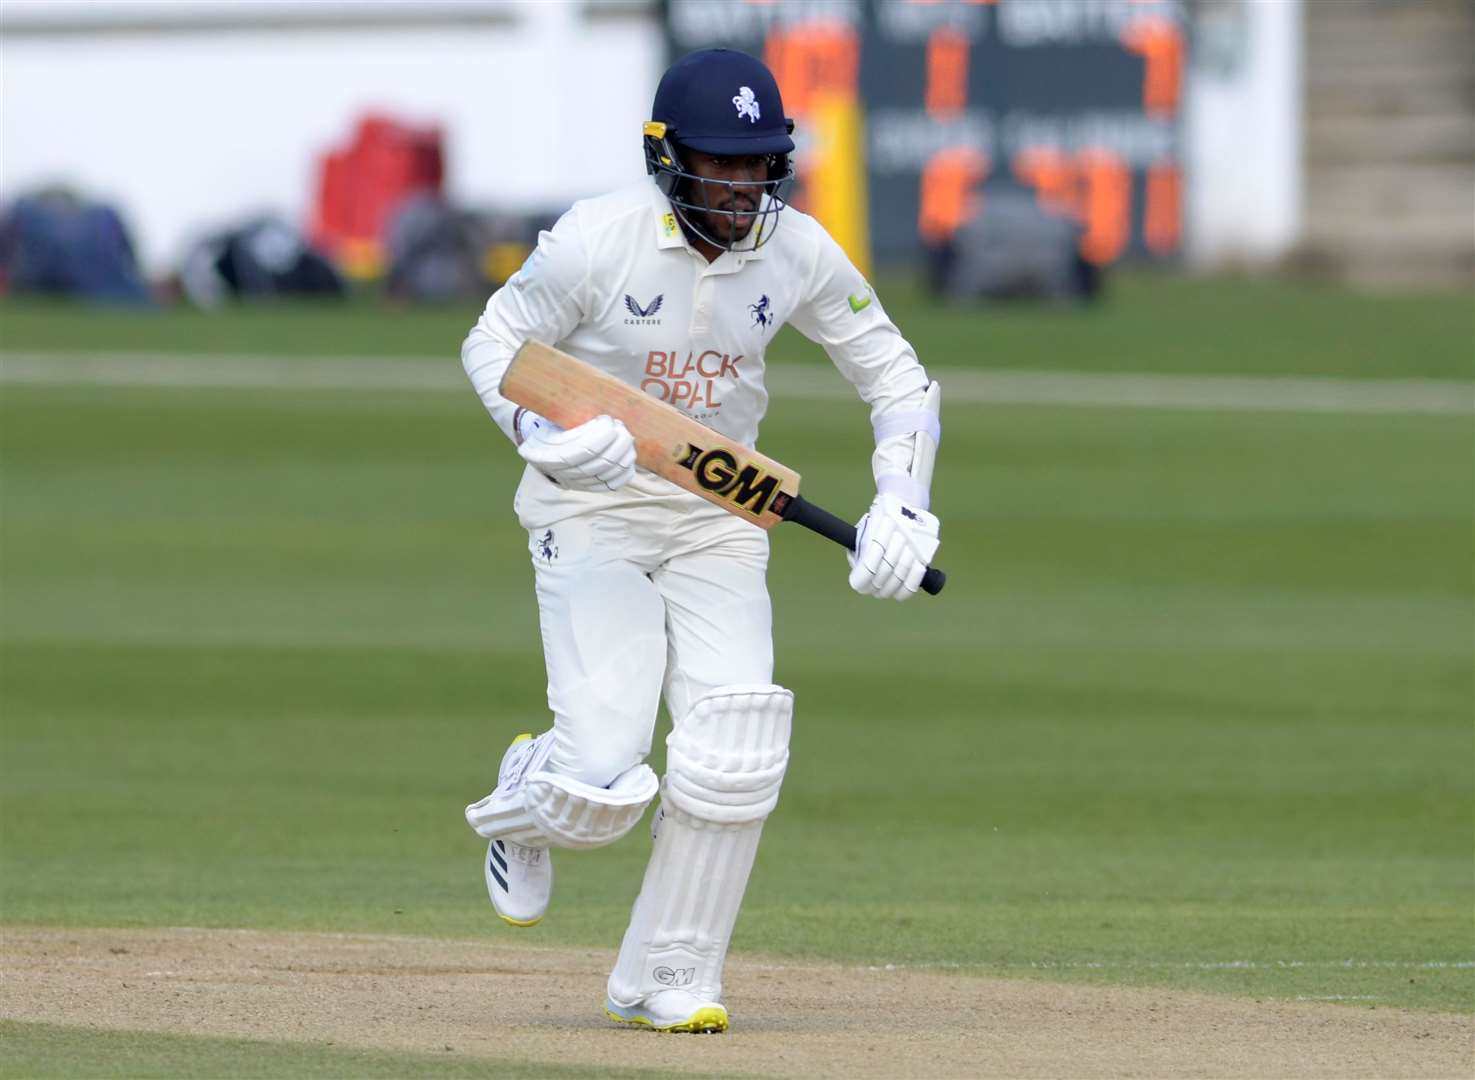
673, 445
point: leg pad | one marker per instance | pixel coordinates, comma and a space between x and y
726, 759
549, 810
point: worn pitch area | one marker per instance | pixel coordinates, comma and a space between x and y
499, 999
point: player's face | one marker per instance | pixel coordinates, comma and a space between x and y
737, 204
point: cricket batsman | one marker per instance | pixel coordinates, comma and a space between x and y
676, 285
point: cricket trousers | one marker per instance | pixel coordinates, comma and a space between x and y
667, 595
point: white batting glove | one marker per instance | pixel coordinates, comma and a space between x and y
894, 543
595, 456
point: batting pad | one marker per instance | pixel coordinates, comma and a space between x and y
549, 810
726, 762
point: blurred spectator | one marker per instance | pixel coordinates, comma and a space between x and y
262, 258
54, 241
439, 252
1018, 250
361, 186
434, 251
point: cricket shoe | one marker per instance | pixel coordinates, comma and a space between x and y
671, 1010
519, 878
519, 881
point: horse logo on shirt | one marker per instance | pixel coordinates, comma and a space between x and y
761, 315
747, 104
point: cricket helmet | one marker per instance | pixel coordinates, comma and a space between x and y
724, 103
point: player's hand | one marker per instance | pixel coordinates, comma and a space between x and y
595, 456
894, 543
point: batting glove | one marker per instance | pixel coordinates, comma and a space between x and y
595, 456
894, 543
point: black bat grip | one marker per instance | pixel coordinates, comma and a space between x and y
817, 519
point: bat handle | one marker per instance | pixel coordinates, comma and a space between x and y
817, 519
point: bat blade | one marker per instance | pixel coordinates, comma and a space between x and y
673, 445
667, 441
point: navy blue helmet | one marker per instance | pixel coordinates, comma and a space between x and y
724, 103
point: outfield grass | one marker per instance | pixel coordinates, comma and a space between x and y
1194, 711
1149, 323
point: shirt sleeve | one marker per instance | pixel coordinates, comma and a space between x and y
543, 301
841, 312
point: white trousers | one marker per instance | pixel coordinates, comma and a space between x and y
669, 595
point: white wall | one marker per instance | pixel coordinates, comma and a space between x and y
1242, 128
188, 125
189, 118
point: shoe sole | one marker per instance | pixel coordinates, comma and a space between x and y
510, 921
705, 1021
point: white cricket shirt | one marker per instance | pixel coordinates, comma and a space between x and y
616, 283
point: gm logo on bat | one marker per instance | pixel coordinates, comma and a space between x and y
719, 472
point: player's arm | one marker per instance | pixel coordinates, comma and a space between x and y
544, 301
897, 537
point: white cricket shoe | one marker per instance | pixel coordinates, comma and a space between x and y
519, 878
519, 881
671, 1010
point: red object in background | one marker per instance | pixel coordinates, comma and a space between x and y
360, 186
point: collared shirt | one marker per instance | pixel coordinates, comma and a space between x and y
616, 283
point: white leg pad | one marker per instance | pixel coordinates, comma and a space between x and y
726, 761
538, 808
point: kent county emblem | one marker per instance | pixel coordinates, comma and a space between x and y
747, 104
761, 315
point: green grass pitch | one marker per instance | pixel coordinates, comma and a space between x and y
1194, 710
